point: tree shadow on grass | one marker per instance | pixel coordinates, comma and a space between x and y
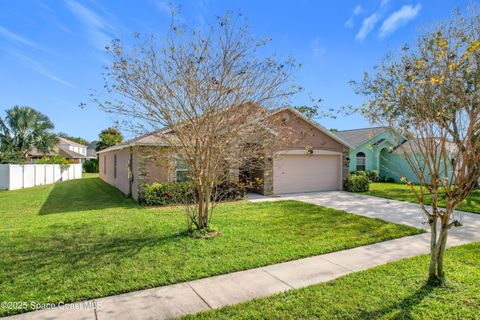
472, 203
404, 308
76, 249
83, 195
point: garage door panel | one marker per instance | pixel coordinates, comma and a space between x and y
302, 173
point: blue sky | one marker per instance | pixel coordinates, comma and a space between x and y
51, 52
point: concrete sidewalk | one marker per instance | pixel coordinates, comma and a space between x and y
204, 294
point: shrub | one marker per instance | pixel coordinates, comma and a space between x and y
373, 175
62, 161
358, 183
160, 194
10, 157
359, 173
230, 192
90, 166
390, 179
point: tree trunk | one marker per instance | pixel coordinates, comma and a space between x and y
203, 204
433, 242
437, 252
442, 244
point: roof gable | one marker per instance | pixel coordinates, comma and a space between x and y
73, 143
314, 125
357, 137
376, 135
153, 139
148, 139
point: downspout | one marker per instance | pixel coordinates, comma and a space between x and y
130, 172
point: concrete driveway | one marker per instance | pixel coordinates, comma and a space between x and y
389, 210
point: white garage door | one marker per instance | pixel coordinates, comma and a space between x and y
302, 173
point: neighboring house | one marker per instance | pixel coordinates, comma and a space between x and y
398, 167
379, 149
368, 146
92, 150
132, 164
73, 151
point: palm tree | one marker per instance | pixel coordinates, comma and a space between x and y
24, 129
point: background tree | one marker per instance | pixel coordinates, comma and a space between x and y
309, 111
72, 138
431, 94
108, 137
24, 129
10, 157
55, 159
206, 94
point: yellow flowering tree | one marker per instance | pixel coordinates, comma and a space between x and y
431, 94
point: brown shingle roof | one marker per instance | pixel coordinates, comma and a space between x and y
153, 139
356, 137
69, 154
148, 139
413, 146
73, 143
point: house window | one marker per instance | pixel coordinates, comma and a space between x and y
181, 171
105, 165
361, 161
114, 166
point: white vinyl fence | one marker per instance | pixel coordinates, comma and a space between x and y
18, 176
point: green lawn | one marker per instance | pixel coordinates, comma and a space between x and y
402, 192
394, 291
82, 239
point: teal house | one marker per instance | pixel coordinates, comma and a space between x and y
377, 149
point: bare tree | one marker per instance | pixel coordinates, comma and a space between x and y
207, 95
431, 95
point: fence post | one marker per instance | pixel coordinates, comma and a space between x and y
9, 180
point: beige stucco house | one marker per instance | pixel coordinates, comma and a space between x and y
316, 160
71, 150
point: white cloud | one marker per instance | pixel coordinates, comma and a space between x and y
49, 16
100, 31
15, 38
349, 23
163, 6
44, 6
37, 67
358, 9
399, 18
317, 49
367, 26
